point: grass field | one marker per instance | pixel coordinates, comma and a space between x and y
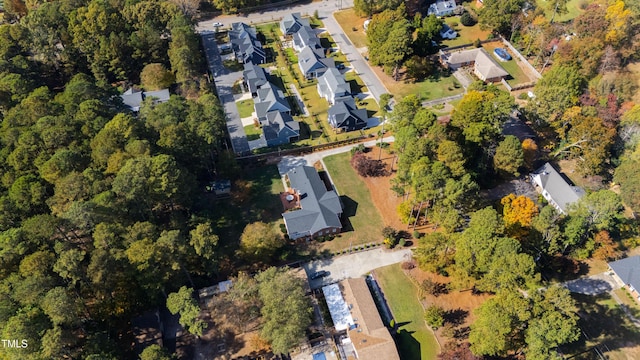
607, 327
429, 89
573, 9
415, 340
518, 75
252, 132
466, 34
365, 223
348, 20
245, 107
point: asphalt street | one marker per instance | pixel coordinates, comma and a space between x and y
354, 265
224, 80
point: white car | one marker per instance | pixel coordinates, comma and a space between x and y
217, 24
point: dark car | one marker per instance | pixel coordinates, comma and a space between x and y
318, 274
340, 66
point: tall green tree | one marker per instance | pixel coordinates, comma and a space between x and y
186, 306
286, 310
509, 157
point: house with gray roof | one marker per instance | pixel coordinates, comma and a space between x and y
269, 98
246, 46
345, 116
485, 67
280, 128
331, 85
319, 209
627, 273
254, 77
555, 188
306, 36
313, 65
442, 8
291, 23
133, 98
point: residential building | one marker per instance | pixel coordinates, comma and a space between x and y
133, 98
269, 98
306, 36
345, 116
291, 23
280, 128
442, 8
313, 65
246, 46
484, 66
447, 33
555, 189
254, 77
331, 85
319, 209
627, 273
354, 312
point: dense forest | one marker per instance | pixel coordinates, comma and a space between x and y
98, 214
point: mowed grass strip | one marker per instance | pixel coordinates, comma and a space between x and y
348, 20
364, 217
414, 339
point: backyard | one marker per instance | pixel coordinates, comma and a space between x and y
364, 221
245, 107
414, 338
253, 132
466, 34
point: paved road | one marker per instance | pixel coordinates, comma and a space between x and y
325, 11
354, 265
592, 285
224, 80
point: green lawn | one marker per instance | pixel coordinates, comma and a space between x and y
365, 223
245, 107
607, 327
518, 76
252, 132
415, 340
466, 34
233, 65
573, 9
429, 89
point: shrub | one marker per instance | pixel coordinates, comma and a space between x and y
360, 148
416, 234
434, 316
467, 20
367, 167
523, 96
477, 43
402, 242
448, 330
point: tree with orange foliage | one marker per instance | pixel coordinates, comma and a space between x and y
518, 210
606, 248
530, 151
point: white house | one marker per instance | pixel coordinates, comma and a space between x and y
331, 85
555, 189
442, 8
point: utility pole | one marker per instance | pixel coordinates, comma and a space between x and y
384, 119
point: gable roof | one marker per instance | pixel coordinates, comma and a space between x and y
551, 181
628, 270
134, 98
320, 208
310, 61
269, 98
344, 113
484, 63
245, 43
441, 7
280, 124
255, 76
333, 80
290, 23
370, 337
306, 36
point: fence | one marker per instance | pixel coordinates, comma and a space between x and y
521, 58
518, 86
260, 159
442, 100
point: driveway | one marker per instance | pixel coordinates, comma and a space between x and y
224, 80
592, 285
354, 265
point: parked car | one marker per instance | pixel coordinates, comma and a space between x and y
319, 274
340, 66
217, 24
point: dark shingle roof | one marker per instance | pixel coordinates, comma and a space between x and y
280, 125
345, 114
333, 80
290, 23
255, 76
628, 270
310, 61
245, 43
321, 208
269, 98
